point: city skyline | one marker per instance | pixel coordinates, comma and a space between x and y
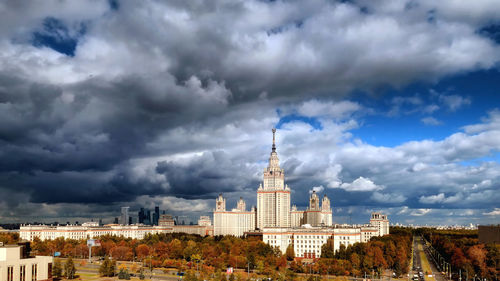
390, 107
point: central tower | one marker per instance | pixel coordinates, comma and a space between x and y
273, 196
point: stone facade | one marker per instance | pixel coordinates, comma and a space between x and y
17, 264
381, 222
235, 222
273, 196
307, 241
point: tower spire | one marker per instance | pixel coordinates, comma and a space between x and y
274, 140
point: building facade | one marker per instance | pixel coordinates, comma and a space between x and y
235, 222
124, 218
274, 214
307, 241
273, 196
381, 222
17, 264
78, 232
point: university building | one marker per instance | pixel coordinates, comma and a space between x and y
281, 226
93, 230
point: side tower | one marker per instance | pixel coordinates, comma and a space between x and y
273, 196
381, 222
235, 222
313, 213
241, 206
220, 203
326, 212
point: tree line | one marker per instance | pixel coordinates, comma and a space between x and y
462, 249
211, 255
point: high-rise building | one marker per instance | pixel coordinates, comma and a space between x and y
273, 196
141, 215
307, 230
156, 215
124, 220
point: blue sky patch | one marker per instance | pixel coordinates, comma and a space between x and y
56, 35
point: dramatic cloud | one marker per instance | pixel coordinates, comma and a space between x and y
150, 103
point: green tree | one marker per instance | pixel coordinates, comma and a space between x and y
107, 267
327, 251
57, 270
290, 253
69, 268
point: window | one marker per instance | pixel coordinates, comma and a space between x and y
49, 273
10, 273
22, 273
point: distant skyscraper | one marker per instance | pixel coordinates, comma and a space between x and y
147, 218
141, 215
156, 215
124, 219
273, 196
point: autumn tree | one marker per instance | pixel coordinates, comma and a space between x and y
122, 253
143, 251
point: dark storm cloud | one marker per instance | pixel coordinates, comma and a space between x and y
173, 98
206, 175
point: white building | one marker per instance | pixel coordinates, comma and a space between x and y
78, 232
16, 264
235, 222
274, 214
273, 196
381, 222
205, 221
307, 241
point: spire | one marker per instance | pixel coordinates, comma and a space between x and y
274, 162
274, 139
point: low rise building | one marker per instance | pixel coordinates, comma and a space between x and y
166, 220
308, 240
78, 232
17, 264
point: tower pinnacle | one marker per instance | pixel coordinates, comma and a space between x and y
274, 139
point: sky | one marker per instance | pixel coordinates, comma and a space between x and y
387, 105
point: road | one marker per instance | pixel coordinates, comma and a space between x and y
422, 262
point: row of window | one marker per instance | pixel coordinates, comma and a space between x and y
22, 273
